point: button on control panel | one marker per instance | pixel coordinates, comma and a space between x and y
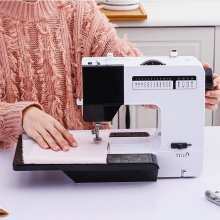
186, 84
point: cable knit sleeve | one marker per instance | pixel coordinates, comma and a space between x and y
101, 35
11, 122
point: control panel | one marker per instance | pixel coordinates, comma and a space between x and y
163, 82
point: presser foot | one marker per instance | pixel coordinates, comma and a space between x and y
96, 131
97, 139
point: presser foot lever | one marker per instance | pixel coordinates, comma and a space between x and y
96, 131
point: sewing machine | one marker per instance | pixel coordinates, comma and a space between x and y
175, 84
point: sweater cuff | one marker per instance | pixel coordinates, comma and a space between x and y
11, 119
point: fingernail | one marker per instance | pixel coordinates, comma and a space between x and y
206, 100
46, 146
57, 148
74, 144
65, 148
215, 83
208, 93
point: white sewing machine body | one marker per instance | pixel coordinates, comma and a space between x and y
177, 88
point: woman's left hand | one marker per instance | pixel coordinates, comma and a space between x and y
212, 97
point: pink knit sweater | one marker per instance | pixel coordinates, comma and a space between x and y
41, 48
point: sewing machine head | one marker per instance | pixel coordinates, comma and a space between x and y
176, 84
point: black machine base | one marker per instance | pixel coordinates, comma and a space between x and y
118, 168
114, 176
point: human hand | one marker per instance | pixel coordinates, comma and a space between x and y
44, 129
212, 97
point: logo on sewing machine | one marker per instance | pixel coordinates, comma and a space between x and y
183, 155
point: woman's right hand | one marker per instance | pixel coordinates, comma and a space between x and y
44, 129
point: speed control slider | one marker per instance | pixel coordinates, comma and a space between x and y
179, 145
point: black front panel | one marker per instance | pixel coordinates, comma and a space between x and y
103, 85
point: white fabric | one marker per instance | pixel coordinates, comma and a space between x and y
87, 152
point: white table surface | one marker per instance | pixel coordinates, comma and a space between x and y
44, 195
182, 13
